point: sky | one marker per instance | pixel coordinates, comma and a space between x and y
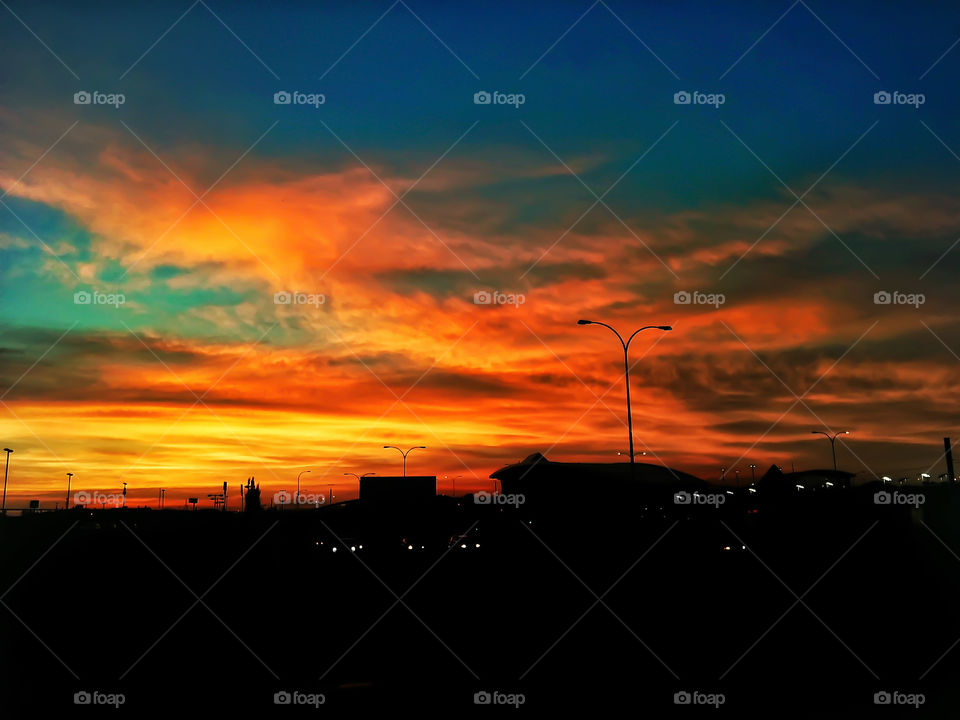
199, 284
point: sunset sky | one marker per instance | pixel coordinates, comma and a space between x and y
199, 198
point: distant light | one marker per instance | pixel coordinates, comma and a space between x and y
463, 545
924, 475
360, 546
752, 489
409, 547
887, 479
729, 492
800, 487
334, 549
727, 547
353, 548
478, 544
828, 484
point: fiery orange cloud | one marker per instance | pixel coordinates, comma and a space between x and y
400, 353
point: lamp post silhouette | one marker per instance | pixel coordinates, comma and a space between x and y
296, 500
69, 478
163, 492
3, 508
832, 439
124, 501
454, 481
359, 477
753, 473
415, 447
626, 369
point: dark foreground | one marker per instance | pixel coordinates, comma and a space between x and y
802, 609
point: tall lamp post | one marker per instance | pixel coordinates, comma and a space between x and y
69, 478
296, 500
415, 447
626, 369
833, 440
3, 509
454, 481
359, 478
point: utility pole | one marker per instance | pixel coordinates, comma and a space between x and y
3, 508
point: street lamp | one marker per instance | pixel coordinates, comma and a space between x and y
296, 500
832, 439
753, 473
124, 502
626, 369
415, 447
163, 492
3, 508
69, 478
454, 481
359, 478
